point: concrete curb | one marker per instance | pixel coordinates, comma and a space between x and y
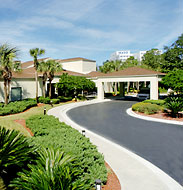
132, 171
133, 114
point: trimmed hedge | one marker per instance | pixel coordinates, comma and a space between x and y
146, 108
48, 131
44, 100
64, 99
158, 102
17, 107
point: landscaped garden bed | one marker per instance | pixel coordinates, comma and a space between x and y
49, 132
171, 108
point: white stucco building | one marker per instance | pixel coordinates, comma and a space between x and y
23, 83
120, 55
125, 54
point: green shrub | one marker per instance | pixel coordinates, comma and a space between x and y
53, 170
15, 153
2, 185
44, 100
64, 99
48, 131
55, 101
17, 106
146, 108
174, 104
158, 102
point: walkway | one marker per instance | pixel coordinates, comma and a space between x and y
132, 171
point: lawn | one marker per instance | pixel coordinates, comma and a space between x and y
9, 120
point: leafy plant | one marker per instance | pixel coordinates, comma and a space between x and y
146, 108
174, 104
54, 170
44, 100
73, 85
48, 131
17, 107
15, 153
158, 102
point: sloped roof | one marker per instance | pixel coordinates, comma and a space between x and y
30, 73
75, 59
133, 71
31, 63
95, 74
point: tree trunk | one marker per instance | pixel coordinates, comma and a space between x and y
36, 78
8, 94
50, 90
5, 92
44, 89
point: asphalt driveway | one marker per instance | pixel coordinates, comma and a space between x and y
159, 143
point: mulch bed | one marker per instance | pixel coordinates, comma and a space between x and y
161, 115
112, 180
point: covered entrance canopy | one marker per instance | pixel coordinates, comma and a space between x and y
131, 74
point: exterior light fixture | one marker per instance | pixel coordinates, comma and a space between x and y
98, 184
44, 111
83, 132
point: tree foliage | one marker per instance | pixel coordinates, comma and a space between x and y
174, 80
49, 68
7, 66
152, 59
173, 56
69, 85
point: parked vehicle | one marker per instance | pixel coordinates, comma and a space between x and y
144, 94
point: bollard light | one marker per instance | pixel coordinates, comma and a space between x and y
44, 111
83, 132
98, 184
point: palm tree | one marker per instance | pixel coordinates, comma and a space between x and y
35, 53
7, 65
53, 67
43, 67
48, 68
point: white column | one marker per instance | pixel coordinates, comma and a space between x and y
154, 88
100, 90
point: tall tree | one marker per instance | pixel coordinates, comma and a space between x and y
173, 56
53, 67
7, 65
35, 53
152, 59
44, 68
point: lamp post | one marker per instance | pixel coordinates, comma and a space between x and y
44, 111
98, 184
83, 132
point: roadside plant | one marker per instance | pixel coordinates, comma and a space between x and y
53, 170
174, 104
146, 108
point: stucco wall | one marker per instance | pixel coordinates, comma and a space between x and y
89, 66
28, 88
75, 66
80, 66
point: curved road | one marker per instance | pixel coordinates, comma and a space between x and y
159, 143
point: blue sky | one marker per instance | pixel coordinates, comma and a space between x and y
89, 28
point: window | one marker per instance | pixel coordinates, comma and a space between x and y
16, 93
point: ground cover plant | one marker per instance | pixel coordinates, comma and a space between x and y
48, 131
16, 107
146, 108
